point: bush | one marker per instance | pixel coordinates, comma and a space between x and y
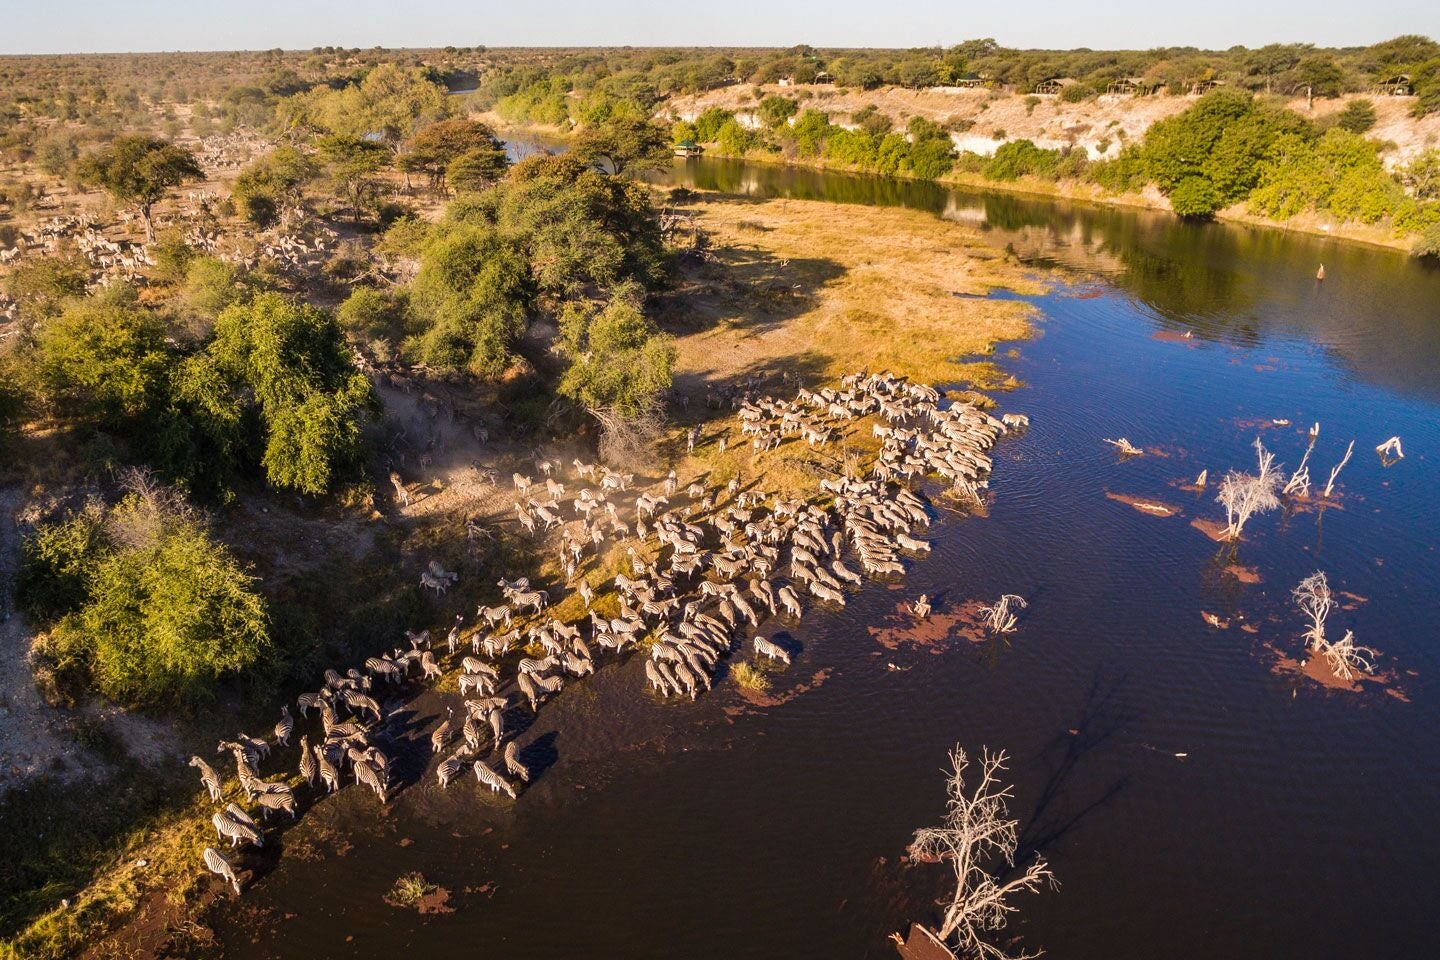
154, 610
1195, 197
1021, 158
1357, 117
1428, 243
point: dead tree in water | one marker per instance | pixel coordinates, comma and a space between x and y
998, 616
1330, 484
976, 838
1312, 596
1345, 656
1246, 494
1126, 448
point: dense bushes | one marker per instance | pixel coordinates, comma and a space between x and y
151, 610
619, 361
270, 376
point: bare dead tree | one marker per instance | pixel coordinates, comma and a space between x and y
1390, 451
1330, 484
629, 440
1126, 448
1244, 495
998, 616
1312, 596
1204, 478
1299, 483
1346, 656
978, 840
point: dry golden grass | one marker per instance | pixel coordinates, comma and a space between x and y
827, 289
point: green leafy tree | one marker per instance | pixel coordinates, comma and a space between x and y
1322, 76
352, 163
266, 186
734, 140
1357, 117
140, 171
311, 398
42, 286
776, 111
477, 169
436, 146
619, 361
624, 144
104, 358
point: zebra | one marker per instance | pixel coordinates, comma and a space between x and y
308, 769
306, 701
513, 764
235, 829
475, 681
790, 601
218, 865
534, 598
449, 769
452, 639
766, 648
283, 728
476, 665
368, 774
360, 703
275, 796
382, 666
329, 775
471, 731
428, 667
208, 777
418, 639
441, 736
528, 688
493, 780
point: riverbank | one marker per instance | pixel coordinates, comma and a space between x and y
779, 289
1311, 223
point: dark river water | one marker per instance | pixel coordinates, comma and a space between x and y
1299, 822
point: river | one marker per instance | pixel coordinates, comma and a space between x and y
1195, 799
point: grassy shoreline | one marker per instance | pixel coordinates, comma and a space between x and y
1310, 224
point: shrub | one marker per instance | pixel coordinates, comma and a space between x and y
1021, 158
1195, 197
1357, 117
1428, 243
156, 611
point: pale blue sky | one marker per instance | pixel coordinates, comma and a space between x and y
63, 26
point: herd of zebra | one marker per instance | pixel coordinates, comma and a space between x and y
723, 564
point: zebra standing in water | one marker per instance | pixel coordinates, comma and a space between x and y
218, 865
208, 777
450, 768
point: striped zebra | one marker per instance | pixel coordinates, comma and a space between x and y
441, 735
449, 769
476, 682
329, 775
471, 732
369, 775
275, 796
533, 598
208, 777
227, 826
308, 770
452, 639
536, 667
528, 688
429, 669
493, 780
361, 703
494, 616
766, 648
652, 674
476, 665
383, 667
218, 865
497, 723
513, 764
283, 728
308, 701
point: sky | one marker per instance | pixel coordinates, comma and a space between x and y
74, 26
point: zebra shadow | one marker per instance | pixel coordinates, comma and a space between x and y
539, 754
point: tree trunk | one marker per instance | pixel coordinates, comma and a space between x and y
149, 223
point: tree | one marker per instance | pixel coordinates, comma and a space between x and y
271, 183
1321, 76
477, 169
155, 610
352, 163
438, 145
1272, 60
292, 359
1357, 117
104, 357
776, 111
619, 361
1245, 494
624, 143
979, 842
1313, 597
140, 171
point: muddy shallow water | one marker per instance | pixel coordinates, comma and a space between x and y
1300, 821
